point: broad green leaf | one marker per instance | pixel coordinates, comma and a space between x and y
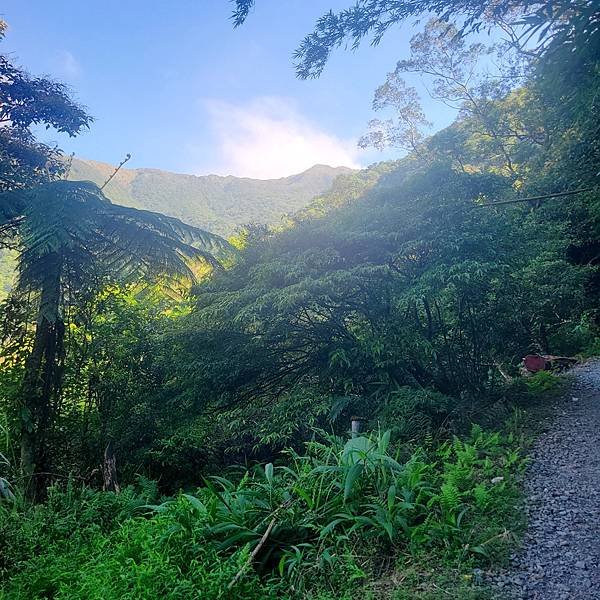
351, 476
269, 473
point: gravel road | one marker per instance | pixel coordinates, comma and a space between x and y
560, 558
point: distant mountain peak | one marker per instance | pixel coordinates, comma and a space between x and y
219, 203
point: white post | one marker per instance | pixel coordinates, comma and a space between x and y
356, 425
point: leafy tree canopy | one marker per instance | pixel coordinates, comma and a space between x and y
546, 19
27, 101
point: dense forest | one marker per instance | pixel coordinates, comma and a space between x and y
175, 407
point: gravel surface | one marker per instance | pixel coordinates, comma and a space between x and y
560, 558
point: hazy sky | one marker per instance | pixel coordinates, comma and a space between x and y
175, 85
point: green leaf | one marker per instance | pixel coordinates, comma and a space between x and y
480, 550
356, 450
239, 538
391, 496
305, 496
384, 441
196, 504
330, 527
269, 473
351, 476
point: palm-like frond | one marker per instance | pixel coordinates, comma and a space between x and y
12, 206
11, 211
74, 222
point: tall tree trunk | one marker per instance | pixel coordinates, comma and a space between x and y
39, 382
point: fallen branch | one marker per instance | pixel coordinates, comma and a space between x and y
256, 550
503, 372
260, 544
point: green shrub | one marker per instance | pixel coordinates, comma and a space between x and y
412, 412
543, 382
592, 349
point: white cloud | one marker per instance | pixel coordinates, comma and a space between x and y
68, 65
269, 138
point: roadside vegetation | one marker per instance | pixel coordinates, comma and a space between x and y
342, 516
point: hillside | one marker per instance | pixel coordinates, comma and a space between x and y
210, 201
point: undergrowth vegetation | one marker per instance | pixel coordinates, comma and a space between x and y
343, 516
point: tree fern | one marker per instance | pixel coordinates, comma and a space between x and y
93, 236
71, 236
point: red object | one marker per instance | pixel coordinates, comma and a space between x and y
534, 363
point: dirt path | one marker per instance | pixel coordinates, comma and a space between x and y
560, 559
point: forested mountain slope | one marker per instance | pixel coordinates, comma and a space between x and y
214, 202
403, 294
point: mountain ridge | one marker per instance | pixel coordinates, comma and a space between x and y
219, 203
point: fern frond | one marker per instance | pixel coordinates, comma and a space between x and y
449, 497
91, 235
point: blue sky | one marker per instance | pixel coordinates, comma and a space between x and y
175, 85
